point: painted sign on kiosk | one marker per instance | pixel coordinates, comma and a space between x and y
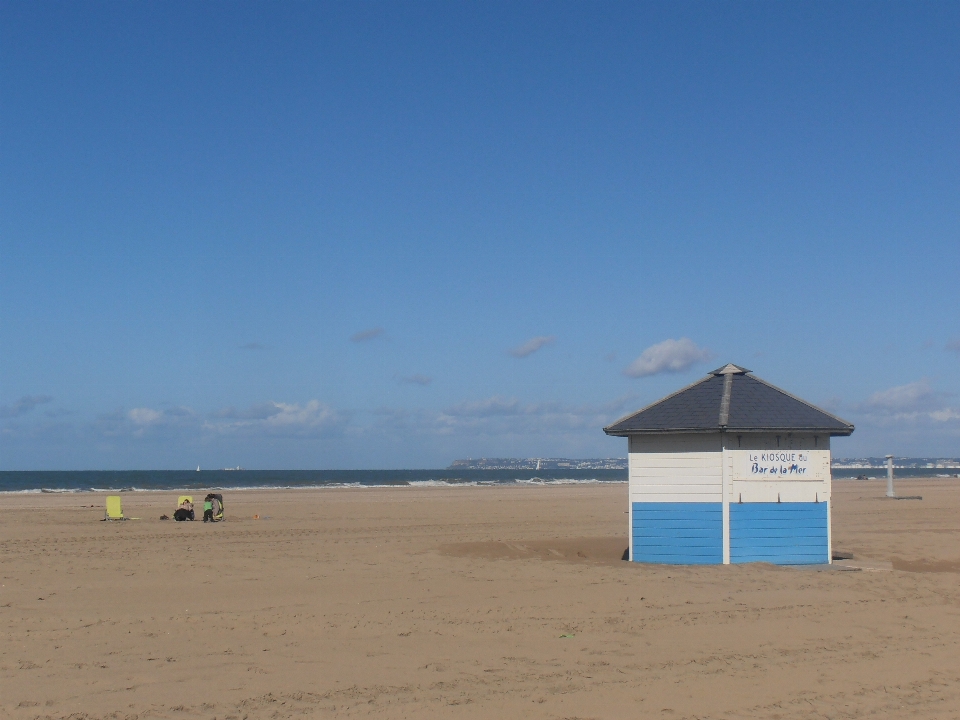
780, 465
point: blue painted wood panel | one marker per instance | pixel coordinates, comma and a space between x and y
780, 533
678, 533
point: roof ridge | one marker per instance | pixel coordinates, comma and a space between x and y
801, 400
661, 400
725, 400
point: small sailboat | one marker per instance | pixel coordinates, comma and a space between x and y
198, 468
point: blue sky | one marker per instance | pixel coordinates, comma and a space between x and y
368, 235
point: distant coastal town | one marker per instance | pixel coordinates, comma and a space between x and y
900, 463
864, 463
539, 464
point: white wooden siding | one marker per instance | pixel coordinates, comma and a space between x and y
773, 441
676, 461
689, 468
676, 468
675, 443
752, 491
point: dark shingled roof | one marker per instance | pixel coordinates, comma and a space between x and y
729, 399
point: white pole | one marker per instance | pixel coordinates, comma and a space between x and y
890, 492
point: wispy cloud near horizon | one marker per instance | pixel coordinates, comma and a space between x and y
24, 405
914, 402
501, 420
366, 335
531, 346
669, 356
498, 406
279, 419
495, 405
271, 419
416, 379
918, 396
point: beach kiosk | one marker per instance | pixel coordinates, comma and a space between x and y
730, 470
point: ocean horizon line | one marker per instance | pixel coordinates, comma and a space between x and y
82, 481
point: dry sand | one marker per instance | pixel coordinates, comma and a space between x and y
480, 602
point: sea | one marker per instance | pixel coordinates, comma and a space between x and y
15, 481
78, 481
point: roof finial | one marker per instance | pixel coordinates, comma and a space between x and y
730, 369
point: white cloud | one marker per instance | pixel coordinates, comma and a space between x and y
23, 405
311, 414
945, 415
366, 335
532, 345
668, 356
145, 421
145, 416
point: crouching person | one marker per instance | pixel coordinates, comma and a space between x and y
185, 511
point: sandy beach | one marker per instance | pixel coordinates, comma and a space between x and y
476, 602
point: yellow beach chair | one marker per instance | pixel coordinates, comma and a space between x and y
184, 498
114, 511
